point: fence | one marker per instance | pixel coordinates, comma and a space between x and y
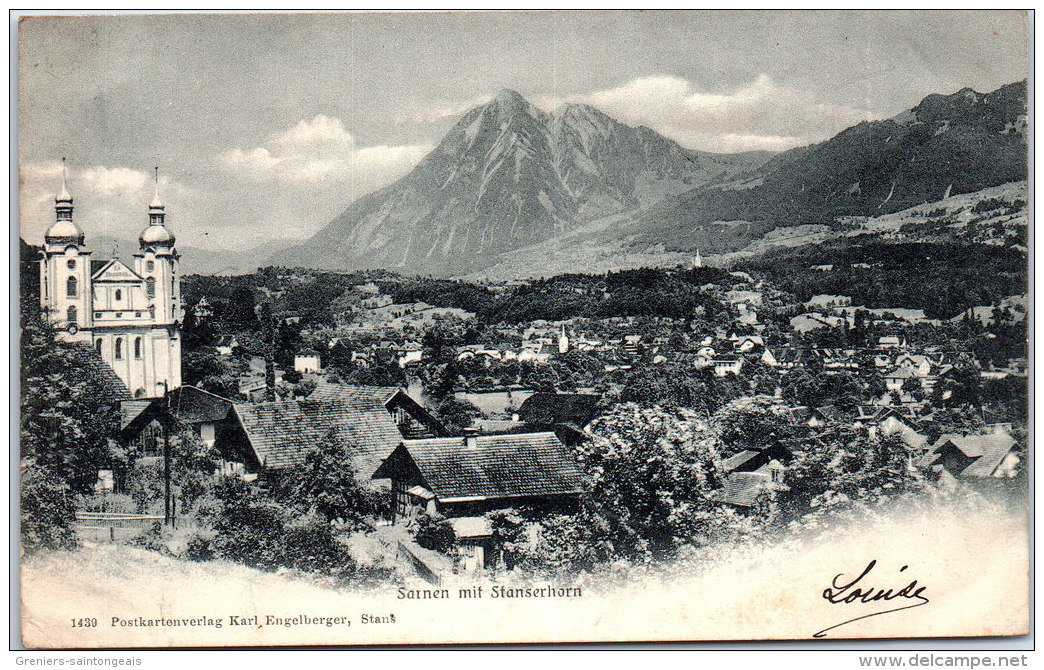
102, 525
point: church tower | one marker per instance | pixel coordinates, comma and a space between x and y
65, 288
563, 342
132, 317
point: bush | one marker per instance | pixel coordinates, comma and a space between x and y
309, 545
435, 532
252, 532
47, 511
264, 534
145, 484
200, 547
326, 484
509, 534
193, 485
153, 539
456, 415
567, 545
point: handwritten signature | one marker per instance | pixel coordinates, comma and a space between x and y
856, 592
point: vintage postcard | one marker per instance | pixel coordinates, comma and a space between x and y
523, 327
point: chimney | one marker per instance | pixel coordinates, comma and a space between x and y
471, 438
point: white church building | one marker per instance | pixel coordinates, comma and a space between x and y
131, 316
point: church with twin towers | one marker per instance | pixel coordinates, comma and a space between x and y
131, 316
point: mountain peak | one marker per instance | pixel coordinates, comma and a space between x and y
580, 110
508, 98
506, 176
508, 105
509, 94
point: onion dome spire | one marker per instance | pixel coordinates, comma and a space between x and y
63, 195
63, 231
156, 233
156, 202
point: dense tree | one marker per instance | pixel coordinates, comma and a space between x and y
47, 509
68, 415
751, 422
652, 473
456, 414
841, 466
206, 369
943, 279
327, 485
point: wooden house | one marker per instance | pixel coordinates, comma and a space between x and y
275, 436
254, 438
727, 366
919, 364
895, 379
471, 475
748, 473
206, 414
890, 342
994, 455
885, 421
411, 418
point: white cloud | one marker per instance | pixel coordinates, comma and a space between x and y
294, 182
758, 115
109, 201
320, 150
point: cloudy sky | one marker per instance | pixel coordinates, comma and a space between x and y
265, 127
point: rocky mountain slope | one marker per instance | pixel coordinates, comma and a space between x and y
965, 143
509, 175
944, 146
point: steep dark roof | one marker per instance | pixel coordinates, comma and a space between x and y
830, 413
131, 410
577, 409
420, 424
325, 390
110, 385
742, 488
736, 460
193, 405
499, 466
282, 433
878, 413
799, 414
987, 450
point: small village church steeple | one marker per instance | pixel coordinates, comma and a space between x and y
563, 342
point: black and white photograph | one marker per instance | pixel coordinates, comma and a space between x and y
358, 329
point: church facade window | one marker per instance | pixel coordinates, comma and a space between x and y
150, 287
118, 349
71, 287
119, 295
150, 266
70, 314
71, 264
98, 346
137, 348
